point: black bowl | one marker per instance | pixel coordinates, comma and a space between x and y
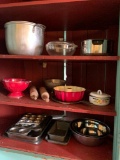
89, 132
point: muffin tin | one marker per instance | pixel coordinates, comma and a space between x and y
30, 128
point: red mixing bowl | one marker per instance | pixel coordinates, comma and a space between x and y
69, 93
15, 86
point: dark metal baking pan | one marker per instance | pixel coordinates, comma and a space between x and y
65, 142
59, 130
29, 131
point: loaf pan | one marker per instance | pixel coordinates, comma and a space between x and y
58, 131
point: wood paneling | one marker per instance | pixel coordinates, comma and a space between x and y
62, 15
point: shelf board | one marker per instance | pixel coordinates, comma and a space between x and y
45, 148
56, 58
63, 14
79, 151
25, 101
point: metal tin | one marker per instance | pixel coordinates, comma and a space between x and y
28, 130
58, 131
96, 47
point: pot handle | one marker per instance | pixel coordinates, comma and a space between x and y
38, 25
99, 92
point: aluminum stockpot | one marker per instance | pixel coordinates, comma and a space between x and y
99, 98
24, 38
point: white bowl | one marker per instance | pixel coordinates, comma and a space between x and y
99, 98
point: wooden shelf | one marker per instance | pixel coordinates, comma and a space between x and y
63, 14
79, 151
58, 15
55, 58
25, 101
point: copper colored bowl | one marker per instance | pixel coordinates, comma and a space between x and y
51, 83
69, 93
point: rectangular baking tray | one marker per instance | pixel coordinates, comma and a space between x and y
28, 129
58, 131
65, 142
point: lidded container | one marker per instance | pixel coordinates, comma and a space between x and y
96, 46
24, 38
61, 48
99, 98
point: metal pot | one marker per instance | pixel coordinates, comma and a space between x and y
24, 38
99, 98
96, 47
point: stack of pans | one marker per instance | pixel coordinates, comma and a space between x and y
29, 128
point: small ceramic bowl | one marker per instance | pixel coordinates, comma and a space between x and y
99, 98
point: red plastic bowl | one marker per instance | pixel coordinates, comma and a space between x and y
69, 93
15, 86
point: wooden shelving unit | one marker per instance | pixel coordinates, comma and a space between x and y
61, 15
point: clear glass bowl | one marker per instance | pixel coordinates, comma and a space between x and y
61, 48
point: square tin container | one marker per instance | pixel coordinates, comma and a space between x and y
96, 47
